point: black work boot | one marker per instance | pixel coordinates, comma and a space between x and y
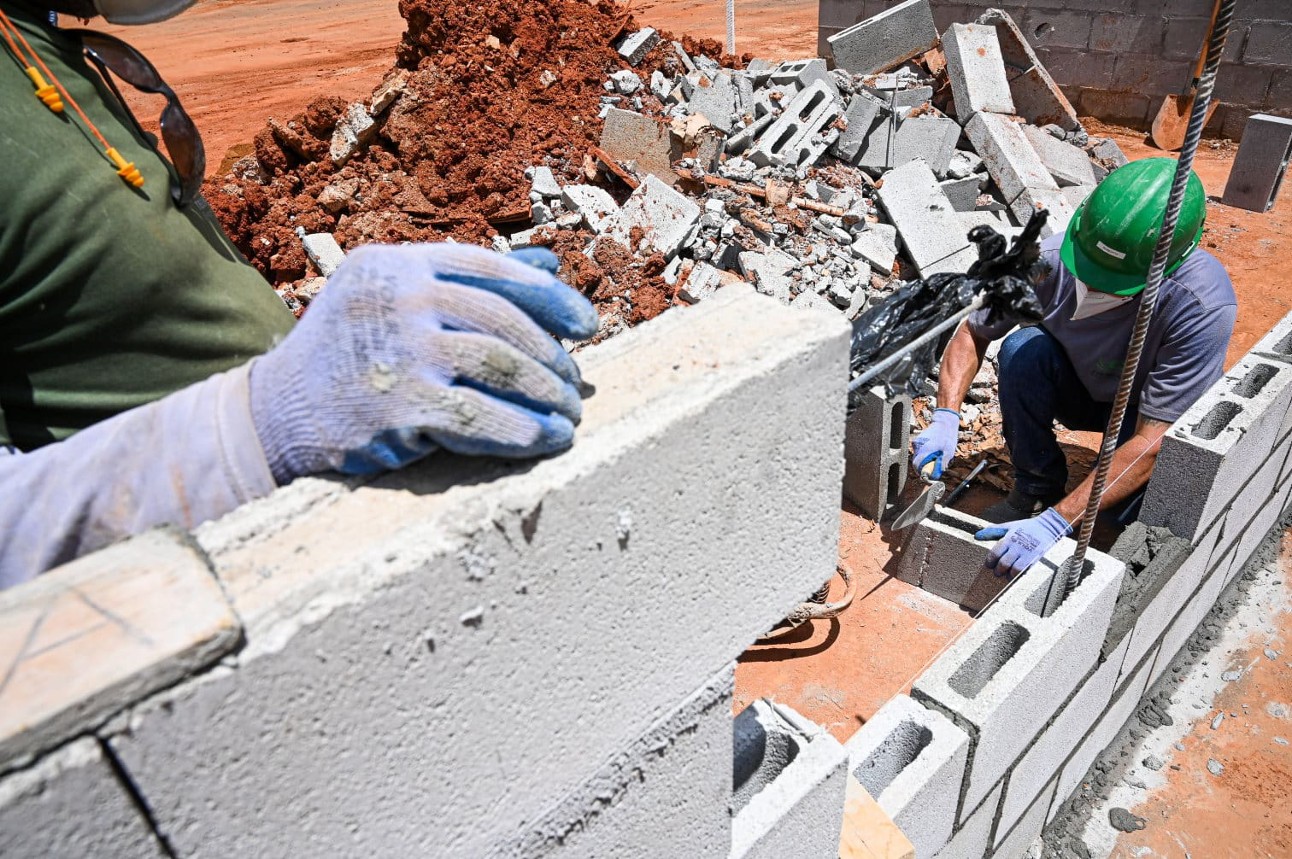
1020, 505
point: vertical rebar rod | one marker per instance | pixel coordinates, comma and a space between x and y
1148, 301
731, 27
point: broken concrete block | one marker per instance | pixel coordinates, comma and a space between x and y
635, 46
861, 115
1037, 98
912, 761
543, 182
1213, 450
902, 99
931, 139
1068, 164
354, 130
976, 70
324, 252
92, 637
663, 215
770, 272
629, 136
1261, 163
1010, 158
889, 38
684, 57
72, 804
714, 98
925, 220
390, 90
963, 164
798, 808
969, 220
877, 245
875, 451
746, 135
626, 81
1056, 203
963, 193
703, 281
796, 138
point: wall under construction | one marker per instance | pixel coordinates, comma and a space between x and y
1116, 61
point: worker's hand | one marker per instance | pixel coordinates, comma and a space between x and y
1024, 542
937, 444
415, 347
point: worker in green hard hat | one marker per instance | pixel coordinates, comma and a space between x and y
1067, 368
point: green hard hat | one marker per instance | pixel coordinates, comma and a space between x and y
1110, 242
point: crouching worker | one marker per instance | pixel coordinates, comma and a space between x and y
1067, 368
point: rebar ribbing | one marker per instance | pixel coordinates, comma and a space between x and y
1148, 301
731, 27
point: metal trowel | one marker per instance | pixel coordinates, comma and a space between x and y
924, 504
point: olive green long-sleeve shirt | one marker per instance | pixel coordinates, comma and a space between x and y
110, 297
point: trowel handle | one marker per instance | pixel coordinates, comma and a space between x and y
926, 473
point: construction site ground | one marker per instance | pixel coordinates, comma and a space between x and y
238, 62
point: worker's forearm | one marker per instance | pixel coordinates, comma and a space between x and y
1131, 467
182, 460
960, 364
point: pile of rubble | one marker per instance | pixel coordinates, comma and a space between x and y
821, 186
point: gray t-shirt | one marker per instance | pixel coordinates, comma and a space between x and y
1184, 353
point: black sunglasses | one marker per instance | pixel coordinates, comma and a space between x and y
183, 142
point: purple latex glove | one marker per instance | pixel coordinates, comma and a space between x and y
937, 444
1025, 541
416, 347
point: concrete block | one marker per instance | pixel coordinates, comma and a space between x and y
886, 40
875, 451
1033, 200
928, 138
703, 281
354, 130
802, 74
770, 272
797, 137
594, 204
413, 619
1262, 520
70, 805
714, 98
963, 193
1193, 611
635, 46
324, 252
1037, 98
1165, 593
88, 639
924, 219
973, 839
800, 812
862, 113
629, 136
1007, 676
1033, 776
663, 215
1261, 163
1016, 843
912, 761
1076, 195
976, 70
1009, 157
877, 245
1068, 164
1269, 44
1215, 447
944, 559
1125, 701
667, 794
1277, 344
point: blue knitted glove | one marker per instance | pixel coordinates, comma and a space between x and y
416, 347
937, 444
1025, 542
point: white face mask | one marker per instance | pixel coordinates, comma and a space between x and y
140, 11
1091, 302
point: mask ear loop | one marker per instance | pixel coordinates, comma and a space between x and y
55, 96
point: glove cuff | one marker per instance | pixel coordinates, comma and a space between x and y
1055, 521
284, 422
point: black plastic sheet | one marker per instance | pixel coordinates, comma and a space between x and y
1003, 274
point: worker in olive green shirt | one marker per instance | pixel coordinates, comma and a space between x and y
150, 376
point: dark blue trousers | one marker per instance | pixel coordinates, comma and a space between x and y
1038, 386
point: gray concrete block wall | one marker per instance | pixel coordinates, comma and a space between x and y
70, 805
1116, 61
